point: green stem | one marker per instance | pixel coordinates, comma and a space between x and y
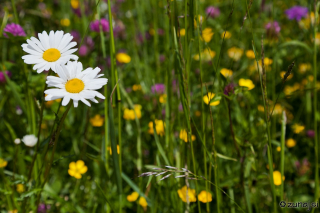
115, 73
59, 127
15, 11
283, 135
315, 107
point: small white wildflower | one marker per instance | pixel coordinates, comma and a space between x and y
17, 141
30, 140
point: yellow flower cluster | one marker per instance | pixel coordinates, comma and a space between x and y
159, 127
207, 98
203, 196
75, 4
282, 73
163, 98
65, 22
20, 188
131, 114
304, 67
182, 32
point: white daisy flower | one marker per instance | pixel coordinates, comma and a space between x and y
75, 84
30, 140
49, 50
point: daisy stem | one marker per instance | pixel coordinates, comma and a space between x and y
57, 132
316, 145
115, 73
39, 130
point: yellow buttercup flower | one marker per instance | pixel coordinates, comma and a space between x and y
206, 55
159, 127
200, 20
277, 178
184, 136
226, 72
75, 4
207, 34
97, 121
278, 148
235, 53
205, 197
290, 143
130, 114
260, 108
110, 150
20, 188
288, 90
65, 22
277, 109
191, 194
197, 113
282, 73
123, 58
304, 67
246, 83
182, 32
207, 98
250, 54
163, 98
226, 35
77, 169
136, 87
3, 163
143, 202
297, 128
133, 196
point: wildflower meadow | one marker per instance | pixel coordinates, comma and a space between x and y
159, 106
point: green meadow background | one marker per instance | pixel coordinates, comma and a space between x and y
204, 111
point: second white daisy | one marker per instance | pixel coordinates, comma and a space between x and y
75, 84
49, 50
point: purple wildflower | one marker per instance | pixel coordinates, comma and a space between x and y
86, 47
14, 29
42, 208
158, 88
310, 133
229, 89
296, 12
2, 78
213, 12
76, 36
94, 26
273, 29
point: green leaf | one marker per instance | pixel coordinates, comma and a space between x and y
296, 43
226, 157
115, 155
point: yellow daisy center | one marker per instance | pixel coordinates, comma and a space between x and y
51, 55
74, 85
